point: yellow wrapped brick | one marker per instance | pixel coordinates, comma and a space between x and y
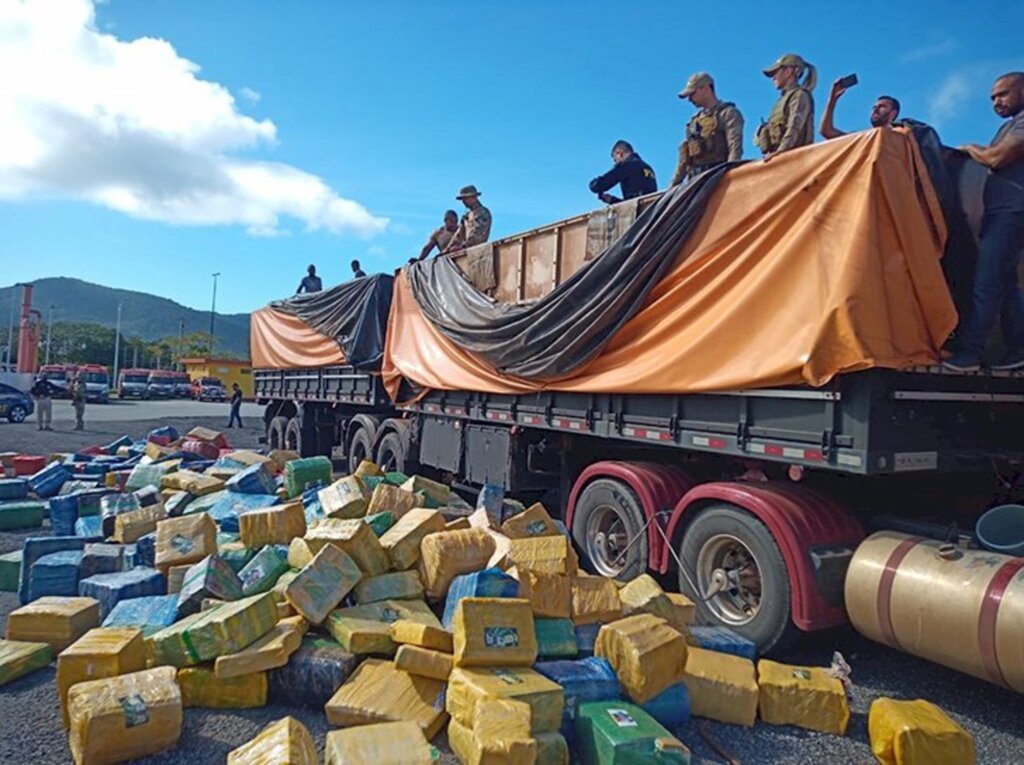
473, 749
406, 632
196, 484
125, 717
550, 595
648, 655
392, 499
199, 433
176, 578
398, 585
57, 621
345, 498
423, 661
643, 595
481, 519
595, 600
367, 469
402, 541
686, 610
100, 652
457, 524
282, 457
300, 553
184, 540
200, 687
469, 687
282, 584
917, 733
276, 525
249, 458
390, 743
285, 742
551, 555
285, 611
532, 522
270, 651
354, 538
155, 451
378, 692
808, 697
132, 526
433, 491
18, 658
322, 585
447, 554
721, 686
366, 629
494, 632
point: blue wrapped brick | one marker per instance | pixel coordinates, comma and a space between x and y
55, 574
582, 680
102, 559
255, 479
586, 638
64, 513
47, 482
110, 589
150, 614
489, 583
671, 707
34, 549
145, 551
232, 504
723, 640
114, 505
13, 488
168, 432
116, 444
90, 527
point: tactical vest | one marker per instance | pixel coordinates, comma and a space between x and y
770, 134
706, 143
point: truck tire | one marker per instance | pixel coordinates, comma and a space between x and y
607, 517
726, 543
391, 453
275, 432
359, 449
293, 435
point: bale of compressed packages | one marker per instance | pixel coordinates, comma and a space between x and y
57, 621
89, 528
255, 479
200, 687
125, 717
686, 609
447, 554
432, 493
114, 505
13, 488
63, 513
552, 555
917, 733
582, 680
380, 522
208, 435
313, 673
235, 554
300, 473
550, 595
130, 526
556, 638
270, 651
721, 687
612, 732
100, 558
285, 742
279, 524
10, 570
55, 574
196, 484
47, 482
407, 632
457, 524
185, 540
494, 632
647, 653
368, 468
300, 553
487, 583
398, 585
366, 629
385, 743
177, 503
35, 548
209, 634
671, 707
808, 697
468, 687
643, 595
110, 589
353, 537
387, 498
100, 652
150, 614
595, 599
19, 658
147, 475
231, 506
201, 449
176, 577
345, 498
423, 661
402, 541
513, 746
21, 514
532, 522
721, 639
211, 577
262, 572
321, 585
205, 503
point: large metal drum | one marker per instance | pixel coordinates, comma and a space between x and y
961, 608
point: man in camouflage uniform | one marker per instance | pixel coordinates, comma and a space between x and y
475, 226
713, 135
78, 394
791, 122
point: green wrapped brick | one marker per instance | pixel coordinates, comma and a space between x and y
556, 638
620, 733
398, 585
146, 475
18, 658
372, 481
236, 557
380, 522
227, 537
212, 577
262, 572
395, 478
10, 570
21, 514
298, 474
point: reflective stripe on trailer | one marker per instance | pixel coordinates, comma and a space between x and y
647, 433
561, 422
788, 452
710, 442
503, 416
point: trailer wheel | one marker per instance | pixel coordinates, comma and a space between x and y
359, 448
293, 435
608, 517
740, 573
275, 432
391, 453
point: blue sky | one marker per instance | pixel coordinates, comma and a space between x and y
379, 112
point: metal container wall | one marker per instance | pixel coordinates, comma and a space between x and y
961, 608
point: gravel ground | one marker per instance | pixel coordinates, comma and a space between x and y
990, 714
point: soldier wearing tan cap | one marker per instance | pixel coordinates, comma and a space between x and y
475, 226
790, 124
713, 135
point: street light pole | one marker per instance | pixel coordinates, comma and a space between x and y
181, 342
10, 326
117, 342
213, 310
49, 333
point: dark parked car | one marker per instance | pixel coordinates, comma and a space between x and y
15, 405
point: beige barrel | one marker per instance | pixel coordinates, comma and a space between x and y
961, 608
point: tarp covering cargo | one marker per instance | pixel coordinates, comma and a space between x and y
827, 260
340, 325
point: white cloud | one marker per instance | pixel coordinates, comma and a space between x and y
949, 45
131, 126
249, 95
949, 99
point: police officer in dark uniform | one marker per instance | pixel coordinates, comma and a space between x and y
631, 173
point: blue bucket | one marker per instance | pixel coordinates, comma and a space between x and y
1001, 530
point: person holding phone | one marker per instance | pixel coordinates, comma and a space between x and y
883, 114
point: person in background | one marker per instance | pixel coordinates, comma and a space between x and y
78, 394
713, 135
790, 124
997, 291
236, 407
475, 226
634, 176
310, 282
883, 113
442, 236
42, 392
357, 271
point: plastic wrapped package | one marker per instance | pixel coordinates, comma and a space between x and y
55, 574
648, 655
56, 621
447, 554
386, 743
378, 692
235, 554
282, 584
643, 595
231, 506
35, 548
100, 652
436, 494
494, 632
63, 513
282, 457
200, 687
285, 742
262, 572
110, 589
468, 687
202, 450
402, 541
185, 540
208, 435
125, 717
147, 475
321, 585
487, 583
380, 522
721, 687
345, 498
177, 503
270, 651
196, 484
279, 524
423, 661
10, 570
458, 524
398, 585
405, 632
212, 577
808, 697
620, 733
114, 505
671, 707
686, 610
19, 658
255, 479
471, 748
128, 527
723, 640
176, 577
150, 614
595, 599
301, 472
206, 503
590, 679
368, 468
550, 595
552, 555
47, 482
13, 488
532, 522
100, 558
366, 629
21, 514
556, 638
300, 553
387, 498
354, 538
313, 673
917, 733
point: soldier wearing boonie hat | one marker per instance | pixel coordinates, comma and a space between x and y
713, 135
475, 226
791, 121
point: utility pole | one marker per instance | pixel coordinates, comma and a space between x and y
49, 333
181, 342
117, 342
213, 311
10, 326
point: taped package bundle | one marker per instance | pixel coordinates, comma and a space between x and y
556, 638
513, 745
582, 680
378, 692
58, 622
532, 522
367, 628
487, 583
648, 655
301, 473
345, 498
150, 614
721, 687
402, 541
423, 661
613, 732
447, 554
321, 585
111, 589
380, 522
300, 553
354, 538
279, 524
431, 493
10, 570
19, 658
808, 697
184, 540
35, 548
468, 687
405, 632
313, 673
235, 554
107, 559
392, 499
285, 742
211, 577
176, 577
398, 585
196, 484
686, 609
917, 733
254, 479
262, 572
643, 595
494, 632
124, 718
270, 651
21, 514
13, 488
388, 743
671, 707
200, 687
55, 574
550, 595
721, 639
101, 652
147, 475
595, 600
552, 555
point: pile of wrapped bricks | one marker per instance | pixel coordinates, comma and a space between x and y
181, 573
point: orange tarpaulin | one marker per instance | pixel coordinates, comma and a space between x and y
279, 340
825, 260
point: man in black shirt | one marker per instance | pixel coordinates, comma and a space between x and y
310, 283
635, 176
42, 391
236, 407
357, 270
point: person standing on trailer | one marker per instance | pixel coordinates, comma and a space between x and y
78, 395
42, 392
475, 226
442, 236
236, 407
790, 124
634, 176
357, 270
713, 135
310, 282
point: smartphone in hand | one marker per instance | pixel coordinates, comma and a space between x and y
848, 81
